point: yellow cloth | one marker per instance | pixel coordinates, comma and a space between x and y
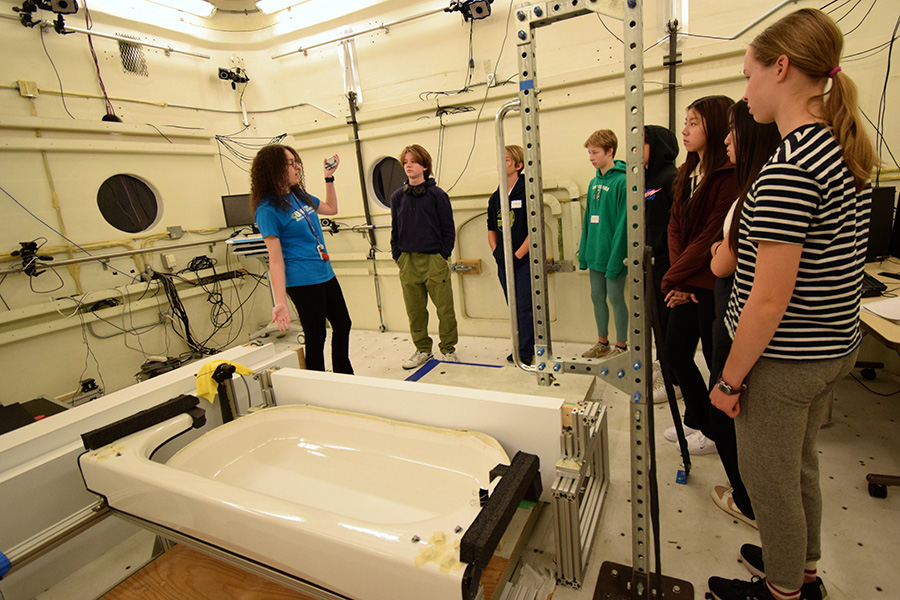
206, 385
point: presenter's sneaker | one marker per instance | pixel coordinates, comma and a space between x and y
671, 435
722, 496
417, 359
449, 357
751, 556
699, 444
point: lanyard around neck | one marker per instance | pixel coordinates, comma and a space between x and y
312, 229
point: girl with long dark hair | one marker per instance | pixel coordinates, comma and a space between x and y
704, 191
299, 268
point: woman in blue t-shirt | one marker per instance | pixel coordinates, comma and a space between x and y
287, 217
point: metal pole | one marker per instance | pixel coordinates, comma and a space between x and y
123, 253
127, 40
639, 331
672, 63
507, 234
52, 537
534, 201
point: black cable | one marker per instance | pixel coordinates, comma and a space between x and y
861, 20
608, 29
159, 132
882, 103
1, 297
89, 24
870, 390
846, 14
484, 100
52, 64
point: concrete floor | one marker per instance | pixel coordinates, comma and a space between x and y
861, 534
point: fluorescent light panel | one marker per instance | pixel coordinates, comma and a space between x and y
200, 8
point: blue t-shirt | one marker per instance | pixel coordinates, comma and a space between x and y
299, 232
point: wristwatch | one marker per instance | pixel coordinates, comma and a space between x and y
727, 389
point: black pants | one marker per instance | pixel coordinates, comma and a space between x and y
721, 426
316, 303
524, 310
689, 323
660, 266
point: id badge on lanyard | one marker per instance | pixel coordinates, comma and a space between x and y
320, 247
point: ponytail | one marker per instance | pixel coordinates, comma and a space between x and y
842, 114
813, 43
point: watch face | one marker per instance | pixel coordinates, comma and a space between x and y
724, 387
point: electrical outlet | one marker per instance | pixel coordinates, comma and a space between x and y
169, 261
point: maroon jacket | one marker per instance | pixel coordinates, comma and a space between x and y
689, 241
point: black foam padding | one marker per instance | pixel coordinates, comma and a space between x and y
146, 418
522, 478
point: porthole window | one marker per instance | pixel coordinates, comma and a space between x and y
127, 203
387, 176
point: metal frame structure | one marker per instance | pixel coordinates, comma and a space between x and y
629, 371
579, 490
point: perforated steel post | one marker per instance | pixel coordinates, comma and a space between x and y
639, 334
534, 201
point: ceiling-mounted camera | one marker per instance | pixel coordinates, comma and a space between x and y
60, 7
471, 9
235, 75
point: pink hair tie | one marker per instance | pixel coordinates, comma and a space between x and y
833, 72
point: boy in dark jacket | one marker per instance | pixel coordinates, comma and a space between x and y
422, 238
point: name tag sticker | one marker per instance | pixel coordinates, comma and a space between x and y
515, 204
595, 218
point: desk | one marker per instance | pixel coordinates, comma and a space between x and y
888, 333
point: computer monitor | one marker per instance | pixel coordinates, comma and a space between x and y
881, 222
237, 211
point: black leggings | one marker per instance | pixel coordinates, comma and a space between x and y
689, 323
316, 303
721, 426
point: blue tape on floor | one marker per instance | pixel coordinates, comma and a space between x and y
431, 364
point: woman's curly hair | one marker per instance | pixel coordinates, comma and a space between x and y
268, 178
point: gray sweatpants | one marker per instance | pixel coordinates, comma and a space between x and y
782, 411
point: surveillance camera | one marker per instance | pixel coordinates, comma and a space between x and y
64, 7
224, 74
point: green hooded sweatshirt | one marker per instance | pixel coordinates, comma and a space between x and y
604, 233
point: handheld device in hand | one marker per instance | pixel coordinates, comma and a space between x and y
330, 163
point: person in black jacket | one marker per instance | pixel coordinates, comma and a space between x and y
660, 152
422, 238
515, 181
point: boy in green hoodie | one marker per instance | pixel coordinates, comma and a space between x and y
604, 237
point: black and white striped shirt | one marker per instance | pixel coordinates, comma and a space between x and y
806, 195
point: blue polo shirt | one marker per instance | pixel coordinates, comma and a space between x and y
299, 232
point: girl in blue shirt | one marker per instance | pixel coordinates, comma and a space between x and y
287, 217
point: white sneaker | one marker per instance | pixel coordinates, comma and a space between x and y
417, 359
659, 385
721, 495
670, 434
450, 357
700, 444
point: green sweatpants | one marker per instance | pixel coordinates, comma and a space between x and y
421, 276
